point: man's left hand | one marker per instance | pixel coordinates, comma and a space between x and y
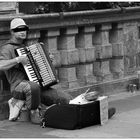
51, 57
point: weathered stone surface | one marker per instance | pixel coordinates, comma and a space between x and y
69, 57
117, 67
103, 51
86, 55
57, 58
67, 74
117, 49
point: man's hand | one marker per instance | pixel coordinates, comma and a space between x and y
51, 57
22, 59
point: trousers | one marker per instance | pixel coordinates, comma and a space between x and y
32, 94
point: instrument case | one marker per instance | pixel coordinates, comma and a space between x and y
72, 116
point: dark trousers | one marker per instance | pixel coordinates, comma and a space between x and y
31, 93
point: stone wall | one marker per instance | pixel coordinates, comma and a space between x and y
92, 49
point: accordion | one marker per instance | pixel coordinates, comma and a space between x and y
39, 69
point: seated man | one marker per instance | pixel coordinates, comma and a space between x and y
23, 90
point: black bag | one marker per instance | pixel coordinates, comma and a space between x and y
71, 116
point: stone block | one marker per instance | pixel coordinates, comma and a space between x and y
87, 80
86, 55
67, 74
103, 51
90, 79
138, 60
116, 35
57, 58
85, 74
52, 33
52, 43
84, 70
97, 68
71, 31
107, 77
82, 55
117, 66
89, 29
69, 57
99, 78
88, 40
101, 38
106, 27
105, 67
84, 40
51, 37
105, 37
117, 75
101, 68
69, 85
66, 42
81, 81
138, 46
90, 54
129, 65
117, 49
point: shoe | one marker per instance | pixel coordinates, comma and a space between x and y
14, 108
35, 116
111, 112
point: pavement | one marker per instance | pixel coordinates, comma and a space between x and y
124, 124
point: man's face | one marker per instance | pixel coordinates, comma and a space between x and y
20, 33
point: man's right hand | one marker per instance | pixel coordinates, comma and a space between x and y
22, 59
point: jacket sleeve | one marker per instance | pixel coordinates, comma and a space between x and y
5, 53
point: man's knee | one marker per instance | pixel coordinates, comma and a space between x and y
53, 96
18, 95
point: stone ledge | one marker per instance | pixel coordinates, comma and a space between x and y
123, 95
106, 88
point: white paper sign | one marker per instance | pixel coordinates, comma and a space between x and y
103, 109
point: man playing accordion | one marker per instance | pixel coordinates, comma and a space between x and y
25, 93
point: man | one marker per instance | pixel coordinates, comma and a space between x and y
24, 92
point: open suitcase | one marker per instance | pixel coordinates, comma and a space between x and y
75, 116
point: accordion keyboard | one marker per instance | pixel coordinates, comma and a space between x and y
39, 68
